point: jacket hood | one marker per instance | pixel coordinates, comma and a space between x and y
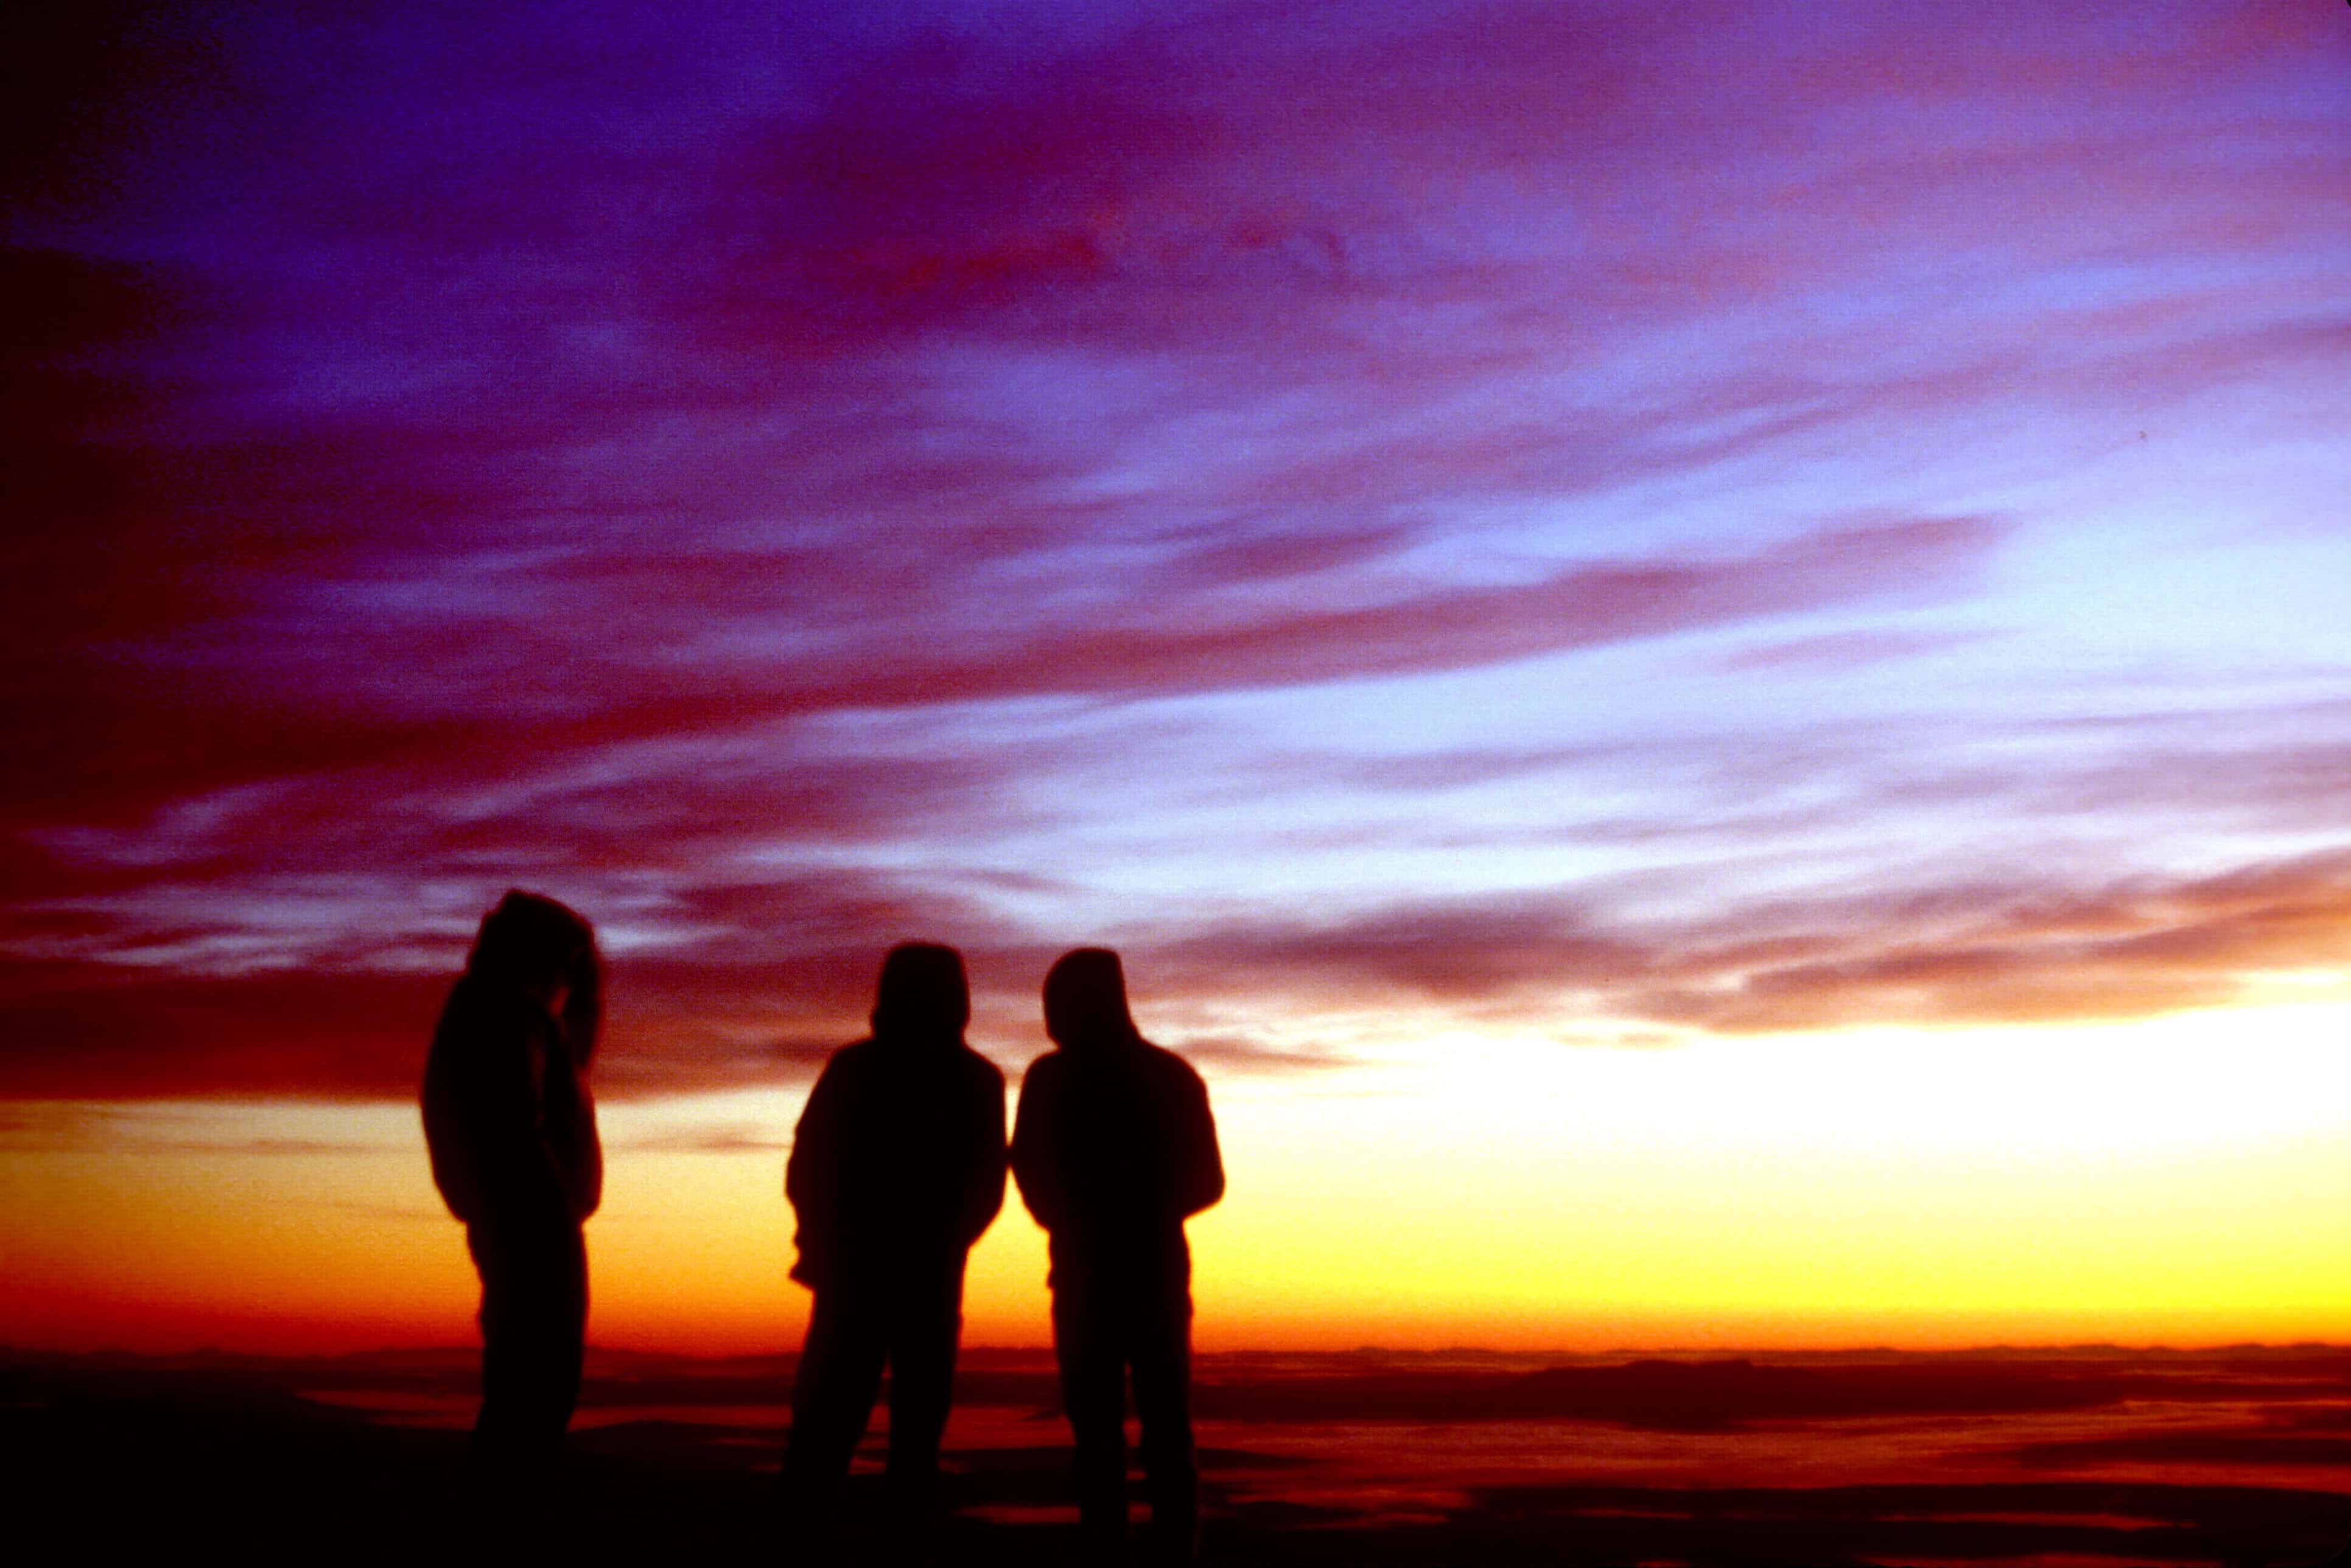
1085, 1002
922, 994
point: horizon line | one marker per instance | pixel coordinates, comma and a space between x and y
1715, 1354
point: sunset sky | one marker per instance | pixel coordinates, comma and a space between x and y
1698, 653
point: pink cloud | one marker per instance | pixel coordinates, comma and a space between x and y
1963, 953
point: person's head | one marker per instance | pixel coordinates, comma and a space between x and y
1085, 999
922, 994
535, 945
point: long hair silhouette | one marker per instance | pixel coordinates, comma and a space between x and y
528, 934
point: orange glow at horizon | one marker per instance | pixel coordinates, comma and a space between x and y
2023, 1186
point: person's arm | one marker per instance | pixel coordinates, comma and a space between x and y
587, 1162
812, 1174
449, 1141
1038, 1165
1199, 1164
522, 1176
982, 1185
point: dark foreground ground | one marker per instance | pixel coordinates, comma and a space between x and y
2080, 1457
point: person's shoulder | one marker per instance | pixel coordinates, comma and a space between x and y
1046, 1068
478, 1012
851, 1060
1171, 1067
472, 997
1166, 1060
979, 1071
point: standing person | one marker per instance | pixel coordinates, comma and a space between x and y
1114, 1148
897, 1167
511, 1129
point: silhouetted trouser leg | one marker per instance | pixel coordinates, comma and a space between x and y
833, 1397
1093, 1396
1161, 1355
1100, 1328
534, 1323
911, 1326
925, 1322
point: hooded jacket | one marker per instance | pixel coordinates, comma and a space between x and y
897, 1165
1114, 1148
509, 1118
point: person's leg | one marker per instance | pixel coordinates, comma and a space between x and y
534, 1321
1086, 1343
833, 1397
1161, 1346
487, 1450
926, 1322
534, 1325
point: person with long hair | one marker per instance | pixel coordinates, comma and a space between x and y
511, 1128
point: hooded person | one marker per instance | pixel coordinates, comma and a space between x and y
896, 1169
1115, 1147
511, 1130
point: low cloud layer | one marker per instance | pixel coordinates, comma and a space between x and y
1962, 954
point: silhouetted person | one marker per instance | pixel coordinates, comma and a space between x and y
512, 1132
1114, 1148
896, 1169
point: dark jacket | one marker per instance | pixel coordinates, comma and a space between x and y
507, 1115
897, 1165
1115, 1147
